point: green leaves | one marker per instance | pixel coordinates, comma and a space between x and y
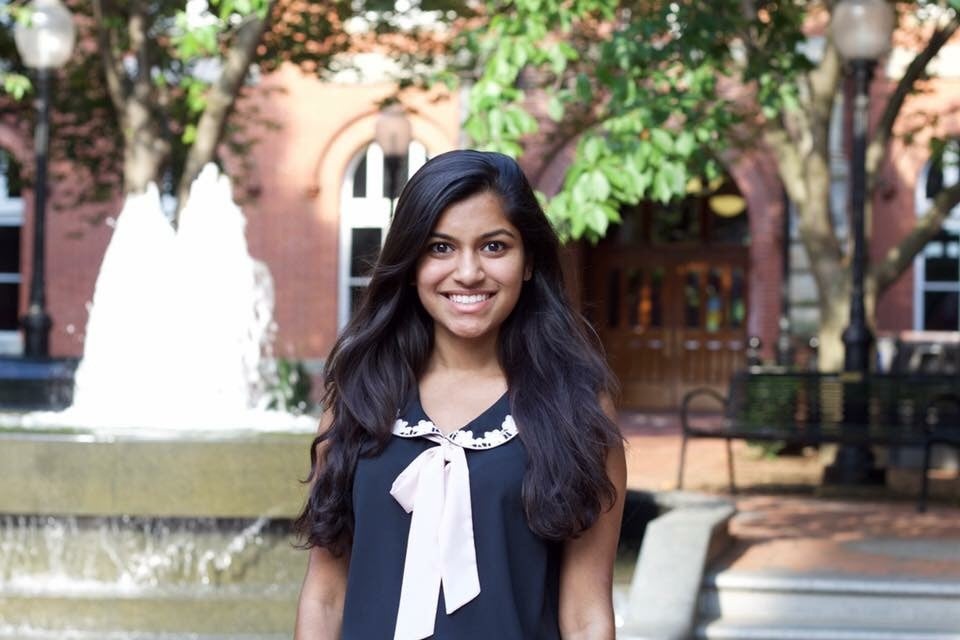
189, 134
685, 144
15, 84
614, 169
197, 35
637, 84
229, 7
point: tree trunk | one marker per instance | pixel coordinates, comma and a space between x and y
220, 101
834, 317
144, 150
831, 274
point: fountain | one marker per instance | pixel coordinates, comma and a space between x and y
180, 324
158, 504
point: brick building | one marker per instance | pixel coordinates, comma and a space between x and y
675, 292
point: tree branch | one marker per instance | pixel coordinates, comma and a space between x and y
915, 71
557, 140
789, 163
901, 256
824, 80
220, 100
137, 32
112, 67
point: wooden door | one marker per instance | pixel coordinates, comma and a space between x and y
671, 319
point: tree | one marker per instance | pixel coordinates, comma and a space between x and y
174, 70
150, 91
656, 93
12, 79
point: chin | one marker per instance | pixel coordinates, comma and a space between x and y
469, 333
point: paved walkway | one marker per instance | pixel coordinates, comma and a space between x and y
653, 452
787, 522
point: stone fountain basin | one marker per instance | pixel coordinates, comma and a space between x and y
222, 474
145, 534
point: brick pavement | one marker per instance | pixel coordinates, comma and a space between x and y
787, 521
867, 538
653, 450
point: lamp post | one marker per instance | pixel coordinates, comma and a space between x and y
785, 349
393, 133
861, 31
44, 43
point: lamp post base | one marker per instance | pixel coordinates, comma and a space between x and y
854, 465
36, 333
785, 351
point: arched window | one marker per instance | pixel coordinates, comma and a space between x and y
11, 225
365, 213
937, 268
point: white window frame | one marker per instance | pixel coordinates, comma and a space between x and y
951, 175
371, 211
11, 215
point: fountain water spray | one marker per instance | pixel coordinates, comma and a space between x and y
180, 328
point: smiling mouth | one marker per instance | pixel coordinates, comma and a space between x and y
473, 298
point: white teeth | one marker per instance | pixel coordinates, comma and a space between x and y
460, 299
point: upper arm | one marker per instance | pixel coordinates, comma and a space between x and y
320, 607
586, 575
327, 574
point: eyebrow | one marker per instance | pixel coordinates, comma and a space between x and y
483, 236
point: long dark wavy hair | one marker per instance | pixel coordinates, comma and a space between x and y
553, 363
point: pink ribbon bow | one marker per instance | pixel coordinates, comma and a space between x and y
435, 488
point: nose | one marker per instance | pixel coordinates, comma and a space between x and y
469, 268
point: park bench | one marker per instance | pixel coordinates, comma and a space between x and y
802, 409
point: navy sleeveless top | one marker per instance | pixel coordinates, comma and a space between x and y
518, 571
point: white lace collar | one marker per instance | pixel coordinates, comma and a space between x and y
463, 438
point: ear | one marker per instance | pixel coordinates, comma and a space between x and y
527, 272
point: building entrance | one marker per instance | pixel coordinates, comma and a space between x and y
667, 293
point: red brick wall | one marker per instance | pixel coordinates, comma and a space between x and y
76, 238
291, 203
758, 182
895, 197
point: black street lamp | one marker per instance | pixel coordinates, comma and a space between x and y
785, 350
45, 42
393, 133
861, 32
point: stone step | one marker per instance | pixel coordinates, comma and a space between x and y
744, 631
832, 603
101, 610
26, 633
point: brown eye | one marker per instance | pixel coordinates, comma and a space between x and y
495, 246
439, 247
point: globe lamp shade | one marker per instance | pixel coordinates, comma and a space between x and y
861, 29
393, 131
46, 40
727, 205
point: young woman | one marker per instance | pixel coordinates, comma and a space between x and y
468, 479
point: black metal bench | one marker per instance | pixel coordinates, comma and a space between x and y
803, 409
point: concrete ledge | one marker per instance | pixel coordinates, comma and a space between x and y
676, 548
235, 475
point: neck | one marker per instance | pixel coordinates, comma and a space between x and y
457, 355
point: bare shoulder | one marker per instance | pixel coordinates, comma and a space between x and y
616, 454
608, 405
320, 445
325, 422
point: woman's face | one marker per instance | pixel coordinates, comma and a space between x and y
471, 273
